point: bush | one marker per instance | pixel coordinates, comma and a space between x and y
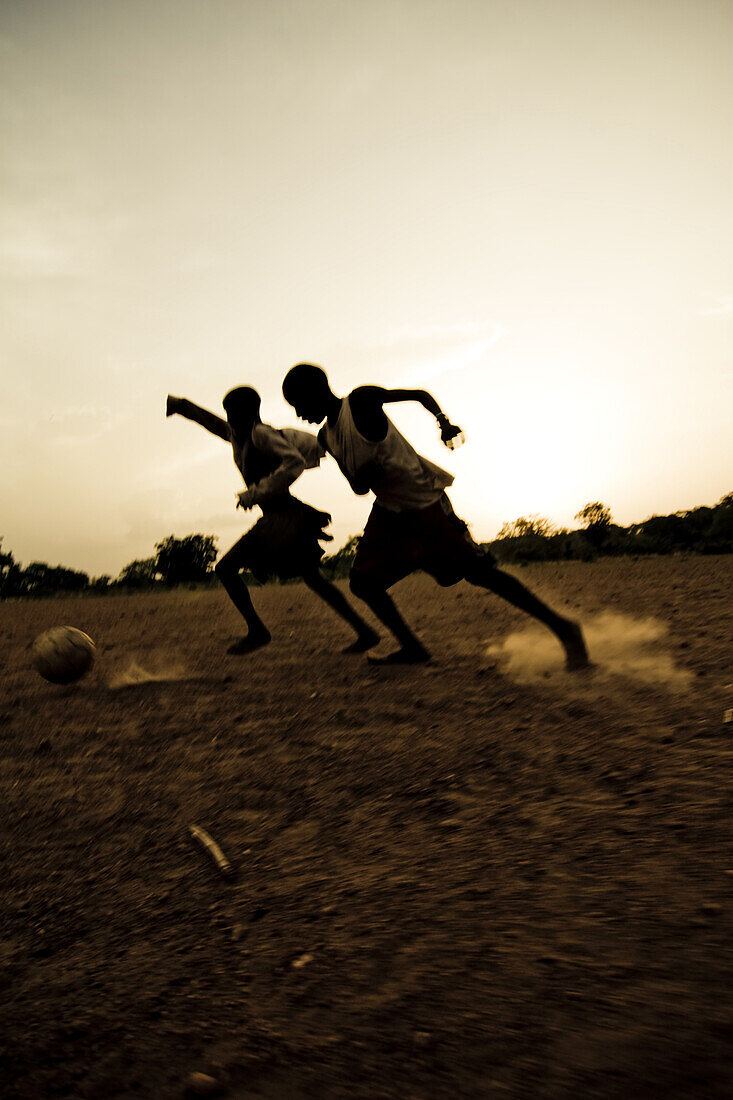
186, 560
39, 579
141, 573
595, 518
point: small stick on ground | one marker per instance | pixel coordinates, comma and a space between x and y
213, 849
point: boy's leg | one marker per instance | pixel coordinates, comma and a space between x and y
366, 638
374, 595
228, 572
485, 575
383, 557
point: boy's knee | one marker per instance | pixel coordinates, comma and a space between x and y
481, 571
225, 569
364, 588
359, 586
314, 579
473, 573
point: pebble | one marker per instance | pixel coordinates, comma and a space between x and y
201, 1084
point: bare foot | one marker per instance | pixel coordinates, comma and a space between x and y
576, 654
365, 641
408, 655
252, 641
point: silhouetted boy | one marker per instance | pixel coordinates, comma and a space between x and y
412, 524
285, 541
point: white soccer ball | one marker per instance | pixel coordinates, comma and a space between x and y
63, 654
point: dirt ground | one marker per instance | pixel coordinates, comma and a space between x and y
450, 881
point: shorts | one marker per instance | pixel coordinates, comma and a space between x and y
284, 543
434, 539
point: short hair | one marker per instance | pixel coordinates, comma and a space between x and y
242, 403
303, 377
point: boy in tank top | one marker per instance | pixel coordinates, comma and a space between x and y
284, 542
412, 524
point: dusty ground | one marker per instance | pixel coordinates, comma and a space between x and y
490, 889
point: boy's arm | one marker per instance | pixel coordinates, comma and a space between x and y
368, 402
213, 423
279, 481
307, 444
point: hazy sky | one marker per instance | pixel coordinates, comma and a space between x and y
523, 204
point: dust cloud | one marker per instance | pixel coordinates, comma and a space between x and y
135, 673
618, 645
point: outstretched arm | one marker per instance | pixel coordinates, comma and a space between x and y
448, 431
421, 396
213, 423
367, 406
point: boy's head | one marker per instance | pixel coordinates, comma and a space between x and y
306, 388
242, 406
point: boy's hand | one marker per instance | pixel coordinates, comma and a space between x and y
450, 434
244, 500
172, 405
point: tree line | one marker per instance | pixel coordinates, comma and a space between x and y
704, 530
190, 560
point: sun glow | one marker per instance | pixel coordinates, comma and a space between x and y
537, 443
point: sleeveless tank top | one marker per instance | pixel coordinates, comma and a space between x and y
410, 480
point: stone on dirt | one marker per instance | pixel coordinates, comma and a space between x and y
201, 1084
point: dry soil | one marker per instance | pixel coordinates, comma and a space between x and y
481, 878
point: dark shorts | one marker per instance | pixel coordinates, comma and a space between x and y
434, 539
284, 542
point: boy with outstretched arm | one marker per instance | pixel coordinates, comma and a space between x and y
412, 524
284, 542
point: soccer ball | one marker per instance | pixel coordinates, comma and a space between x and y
63, 654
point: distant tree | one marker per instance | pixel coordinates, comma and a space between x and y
41, 579
528, 538
594, 514
138, 574
662, 534
527, 525
35, 575
698, 521
7, 561
10, 574
70, 580
181, 561
100, 584
720, 537
595, 519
